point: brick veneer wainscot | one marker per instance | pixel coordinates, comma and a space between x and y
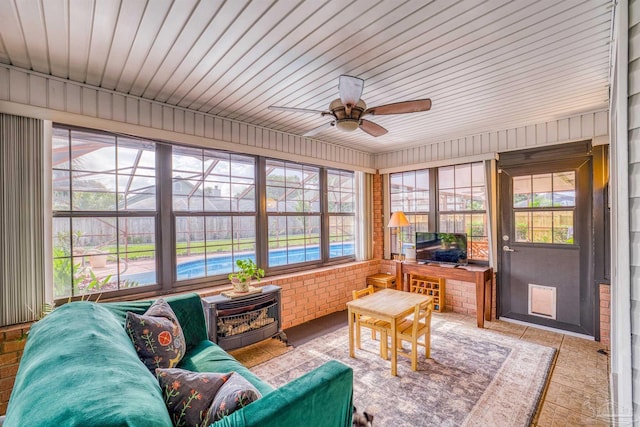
12, 341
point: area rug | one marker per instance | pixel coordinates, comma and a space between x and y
260, 352
475, 377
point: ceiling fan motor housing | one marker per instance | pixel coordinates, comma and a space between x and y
347, 117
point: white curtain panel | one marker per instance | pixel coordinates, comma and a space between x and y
22, 263
364, 216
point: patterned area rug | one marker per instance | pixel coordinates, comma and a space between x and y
475, 377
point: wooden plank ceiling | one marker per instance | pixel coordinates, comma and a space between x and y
486, 65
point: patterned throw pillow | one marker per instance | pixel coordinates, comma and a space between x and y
188, 395
235, 394
157, 336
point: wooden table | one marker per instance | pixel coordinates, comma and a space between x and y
481, 276
389, 305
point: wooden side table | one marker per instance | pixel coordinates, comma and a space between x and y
381, 281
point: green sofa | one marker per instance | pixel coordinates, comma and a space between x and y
79, 368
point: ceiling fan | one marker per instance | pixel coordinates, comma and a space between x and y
347, 112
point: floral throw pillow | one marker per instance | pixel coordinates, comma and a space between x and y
188, 395
236, 393
157, 336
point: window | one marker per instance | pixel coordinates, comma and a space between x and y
214, 200
410, 194
461, 204
110, 199
341, 196
104, 219
544, 207
293, 212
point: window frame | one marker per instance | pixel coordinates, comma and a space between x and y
434, 207
166, 260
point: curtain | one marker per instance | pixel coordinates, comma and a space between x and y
22, 265
364, 216
492, 221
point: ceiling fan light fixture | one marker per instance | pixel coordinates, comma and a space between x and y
348, 125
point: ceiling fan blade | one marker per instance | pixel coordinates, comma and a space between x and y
318, 129
371, 128
296, 110
401, 107
350, 89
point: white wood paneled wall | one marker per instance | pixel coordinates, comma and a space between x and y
84, 105
585, 126
634, 194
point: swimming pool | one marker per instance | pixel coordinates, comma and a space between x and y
222, 264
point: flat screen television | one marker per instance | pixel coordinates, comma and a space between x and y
447, 248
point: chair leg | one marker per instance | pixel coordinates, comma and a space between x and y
427, 344
384, 342
414, 355
373, 334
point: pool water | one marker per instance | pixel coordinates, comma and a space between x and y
222, 264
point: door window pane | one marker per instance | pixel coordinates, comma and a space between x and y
564, 189
522, 227
542, 190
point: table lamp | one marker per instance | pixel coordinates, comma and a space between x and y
399, 220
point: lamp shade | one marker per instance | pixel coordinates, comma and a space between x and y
398, 220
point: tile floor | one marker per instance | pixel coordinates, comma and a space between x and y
578, 390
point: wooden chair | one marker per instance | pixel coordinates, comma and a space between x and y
371, 323
412, 329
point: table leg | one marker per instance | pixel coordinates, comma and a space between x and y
487, 300
480, 303
394, 348
351, 350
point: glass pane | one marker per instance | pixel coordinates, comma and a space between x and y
422, 201
542, 190
477, 174
422, 180
447, 200
447, 223
61, 190
463, 175
479, 248
542, 227
463, 199
564, 189
93, 152
60, 146
95, 254
137, 251
446, 177
563, 227
293, 175
409, 180
396, 202
395, 182
93, 192
275, 199
311, 177
522, 191
187, 163
523, 227
277, 241
478, 199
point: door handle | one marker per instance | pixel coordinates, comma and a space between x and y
507, 249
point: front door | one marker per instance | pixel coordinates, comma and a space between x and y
545, 238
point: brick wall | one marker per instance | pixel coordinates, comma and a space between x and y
12, 341
378, 224
605, 314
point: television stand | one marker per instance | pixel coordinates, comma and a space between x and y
481, 276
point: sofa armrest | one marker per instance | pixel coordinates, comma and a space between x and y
320, 398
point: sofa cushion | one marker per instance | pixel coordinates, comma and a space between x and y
156, 336
80, 369
209, 357
188, 395
188, 310
236, 393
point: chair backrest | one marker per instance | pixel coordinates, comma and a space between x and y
422, 316
362, 292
